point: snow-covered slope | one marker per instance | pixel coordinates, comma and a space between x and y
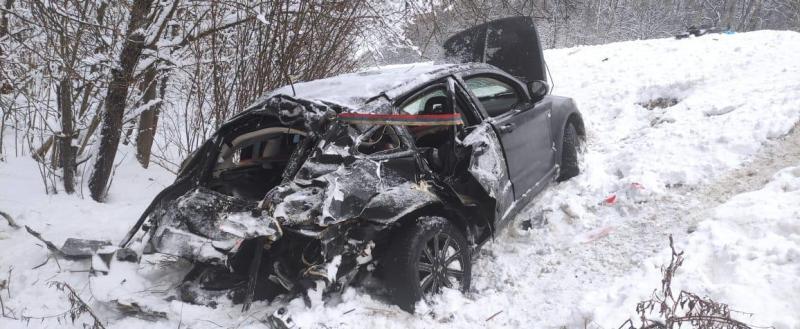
746, 255
734, 92
586, 262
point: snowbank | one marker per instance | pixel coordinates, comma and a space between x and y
734, 92
747, 256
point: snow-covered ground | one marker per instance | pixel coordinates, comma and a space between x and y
711, 165
747, 254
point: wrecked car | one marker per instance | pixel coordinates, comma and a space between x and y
399, 173
698, 31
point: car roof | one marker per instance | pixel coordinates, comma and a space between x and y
353, 90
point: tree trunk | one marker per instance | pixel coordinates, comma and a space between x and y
755, 16
121, 76
746, 16
65, 138
5, 86
4, 19
148, 119
730, 12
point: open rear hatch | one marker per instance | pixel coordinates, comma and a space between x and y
512, 44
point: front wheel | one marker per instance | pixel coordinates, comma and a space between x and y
426, 256
569, 154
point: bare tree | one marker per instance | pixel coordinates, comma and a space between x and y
140, 31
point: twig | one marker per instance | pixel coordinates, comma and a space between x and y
494, 315
75, 311
10, 220
49, 244
8, 282
348, 312
180, 321
2, 305
42, 264
212, 322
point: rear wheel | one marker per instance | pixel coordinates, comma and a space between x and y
426, 256
569, 154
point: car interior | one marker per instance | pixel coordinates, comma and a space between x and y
379, 139
439, 147
431, 102
254, 162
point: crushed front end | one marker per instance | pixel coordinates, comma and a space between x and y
251, 235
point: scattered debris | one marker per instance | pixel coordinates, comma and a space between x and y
597, 234
75, 249
631, 193
698, 31
610, 200
657, 121
82, 248
659, 103
280, 319
127, 255
139, 311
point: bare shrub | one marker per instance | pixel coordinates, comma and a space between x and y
687, 308
77, 309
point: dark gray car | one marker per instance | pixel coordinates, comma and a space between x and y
398, 173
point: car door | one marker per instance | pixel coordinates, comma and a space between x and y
472, 149
487, 164
522, 126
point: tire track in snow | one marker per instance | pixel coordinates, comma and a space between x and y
775, 155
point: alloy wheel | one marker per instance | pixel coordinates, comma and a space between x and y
440, 264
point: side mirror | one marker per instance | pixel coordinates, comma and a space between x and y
538, 89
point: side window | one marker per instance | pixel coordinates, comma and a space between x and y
497, 97
431, 101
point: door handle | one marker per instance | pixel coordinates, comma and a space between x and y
507, 128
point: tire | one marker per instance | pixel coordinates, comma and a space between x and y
408, 270
569, 154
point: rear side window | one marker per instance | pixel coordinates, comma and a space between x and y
497, 97
432, 102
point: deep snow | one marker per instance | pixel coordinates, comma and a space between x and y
585, 262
